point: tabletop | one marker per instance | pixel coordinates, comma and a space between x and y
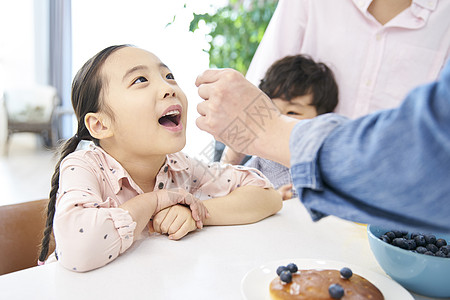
206, 264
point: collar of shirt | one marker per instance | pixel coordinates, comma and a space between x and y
422, 8
176, 162
417, 17
117, 173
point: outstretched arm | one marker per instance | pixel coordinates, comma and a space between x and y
240, 115
389, 168
244, 205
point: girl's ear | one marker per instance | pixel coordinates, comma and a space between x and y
99, 125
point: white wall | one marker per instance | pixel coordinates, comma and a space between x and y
17, 66
41, 41
17, 51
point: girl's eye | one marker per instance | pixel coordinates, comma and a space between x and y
292, 113
141, 79
170, 76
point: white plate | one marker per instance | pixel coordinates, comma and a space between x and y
255, 284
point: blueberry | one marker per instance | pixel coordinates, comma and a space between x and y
440, 243
411, 244
400, 242
346, 273
286, 276
433, 248
385, 239
421, 249
417, 242
445, 249
281, 269
390, 235
414, 234
440, 254
292, 268
336, 291
420, 240
398, 233
430, 239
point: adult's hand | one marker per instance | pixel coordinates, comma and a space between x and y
240, 115
236, 112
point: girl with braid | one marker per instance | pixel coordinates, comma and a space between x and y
132, 178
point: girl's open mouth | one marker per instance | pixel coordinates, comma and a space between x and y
171, 118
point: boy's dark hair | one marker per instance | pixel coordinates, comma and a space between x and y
299, 75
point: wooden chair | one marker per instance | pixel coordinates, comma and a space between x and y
21, 228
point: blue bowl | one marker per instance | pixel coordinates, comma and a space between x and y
419, 273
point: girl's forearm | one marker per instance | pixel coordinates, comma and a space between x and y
141, 209
247, 204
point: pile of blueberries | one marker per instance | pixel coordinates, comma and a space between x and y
285, 272
336, 291
421, 243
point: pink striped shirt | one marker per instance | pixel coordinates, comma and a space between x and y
375, 65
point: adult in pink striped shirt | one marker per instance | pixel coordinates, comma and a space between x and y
377, 49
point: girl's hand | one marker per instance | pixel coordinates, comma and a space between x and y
176, 221
167, 198
286, 191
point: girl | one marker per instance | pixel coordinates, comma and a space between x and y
129, 105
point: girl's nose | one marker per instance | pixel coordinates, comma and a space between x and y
169, 94
167, 90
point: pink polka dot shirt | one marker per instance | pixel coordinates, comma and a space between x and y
91, 230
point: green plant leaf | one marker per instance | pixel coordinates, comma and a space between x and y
235, 32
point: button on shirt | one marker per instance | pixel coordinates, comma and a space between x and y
90, 228
390, 168
375, 65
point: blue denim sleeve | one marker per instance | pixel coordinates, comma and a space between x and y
306, 139
390, 168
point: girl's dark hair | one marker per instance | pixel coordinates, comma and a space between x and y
299, 75
86, 96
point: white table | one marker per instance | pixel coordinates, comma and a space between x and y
208, 264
